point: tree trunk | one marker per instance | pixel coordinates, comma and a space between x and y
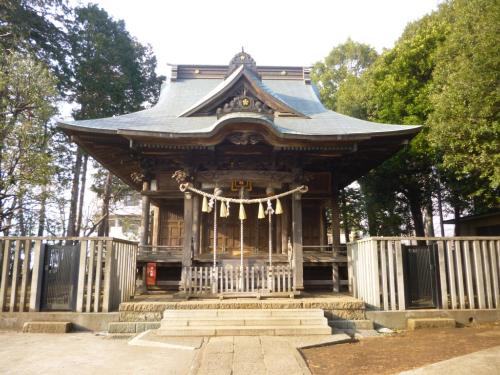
457, 219
82, 195
74, 194
20, 219
104, 226
43, 212
440, 209
428, 220
345, 219
416, 214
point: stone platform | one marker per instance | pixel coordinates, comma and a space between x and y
146, 312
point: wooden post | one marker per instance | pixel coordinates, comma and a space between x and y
108, 269
322, 227
400, 276
5, 273
298, 259
144, 233
156, 226
15, 277
335, 218
284, 227
196, 224
37, 276
81, 276
188, 229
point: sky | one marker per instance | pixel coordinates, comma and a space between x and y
274, 32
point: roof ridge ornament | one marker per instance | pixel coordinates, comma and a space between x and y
242, 58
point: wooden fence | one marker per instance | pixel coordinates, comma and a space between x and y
249, 280
106, 272
469, 271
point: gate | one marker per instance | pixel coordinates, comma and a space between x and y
421, 276
60, 277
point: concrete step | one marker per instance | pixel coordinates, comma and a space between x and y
47, 327
241, 313
420, 323
245, 331
238, 321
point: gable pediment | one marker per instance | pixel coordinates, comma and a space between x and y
242, 91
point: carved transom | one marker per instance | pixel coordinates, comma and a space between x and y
244, 139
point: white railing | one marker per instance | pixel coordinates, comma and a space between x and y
246, 280
469, 271
106, 272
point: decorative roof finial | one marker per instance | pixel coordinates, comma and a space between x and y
242, 58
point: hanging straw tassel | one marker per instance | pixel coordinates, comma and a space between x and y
204, 205
279, 208
223, 209
243, 214
261, 215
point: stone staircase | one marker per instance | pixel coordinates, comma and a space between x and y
245, 322
342, 312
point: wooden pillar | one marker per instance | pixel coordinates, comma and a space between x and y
144, 234
335, 219
188, 229
196, 224
284, 227
335, 233
298, 259
156, 226
322, 227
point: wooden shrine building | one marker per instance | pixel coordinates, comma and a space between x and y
243, 131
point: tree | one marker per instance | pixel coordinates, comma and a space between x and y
27, 102
36, 27
113, 74
465, 124
347, 61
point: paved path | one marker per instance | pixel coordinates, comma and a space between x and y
85, 353
243, 355
483, 362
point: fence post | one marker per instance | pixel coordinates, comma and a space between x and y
81, 276
400, 276
375, 270
108, 268
37, 276
349, 266
442, 275
5, 273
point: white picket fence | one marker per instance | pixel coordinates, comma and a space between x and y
246, 280
469, 271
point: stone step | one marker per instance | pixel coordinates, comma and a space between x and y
239, 321
245, 331
47, 327
131, 327
243, 313
351, 324
420, 323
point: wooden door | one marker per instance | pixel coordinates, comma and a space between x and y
171, 224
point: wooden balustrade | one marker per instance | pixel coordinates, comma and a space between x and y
468, 269
106, 272
249, 280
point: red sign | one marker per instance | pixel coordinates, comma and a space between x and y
151, 274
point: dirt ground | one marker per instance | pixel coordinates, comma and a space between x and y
401, 351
